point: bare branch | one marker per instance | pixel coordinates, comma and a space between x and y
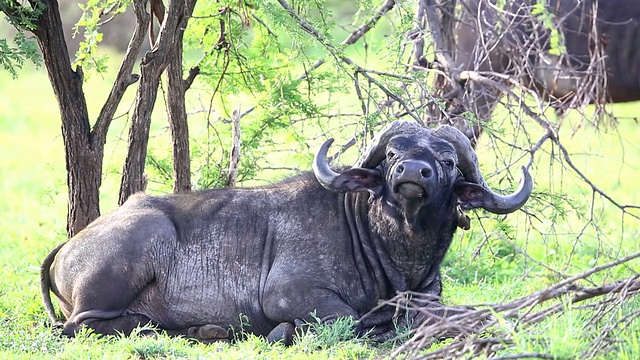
124, 78
234, 155
193, 72
261, 22
567, 158
153, 65
373, 20
465, 320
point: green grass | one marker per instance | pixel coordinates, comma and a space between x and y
484, 265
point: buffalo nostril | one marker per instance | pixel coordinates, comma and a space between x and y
426, 172
400, 169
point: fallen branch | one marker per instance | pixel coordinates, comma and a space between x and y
470, 326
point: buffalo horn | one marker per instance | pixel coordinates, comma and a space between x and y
468, 166
321, 168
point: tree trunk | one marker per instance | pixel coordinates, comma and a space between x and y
176, 109
84, 164
133, 178
84, 148
153, 64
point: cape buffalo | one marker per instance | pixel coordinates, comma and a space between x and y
601, 63
329, 243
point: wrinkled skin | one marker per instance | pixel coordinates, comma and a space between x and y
618, 29
194, 264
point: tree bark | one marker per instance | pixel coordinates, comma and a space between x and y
84, 164
84, 147
234, 155
176, 109
153, 64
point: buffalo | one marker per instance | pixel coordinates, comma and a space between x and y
574, 52
266, 260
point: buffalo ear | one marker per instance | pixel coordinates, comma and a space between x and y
471, 195
359, 179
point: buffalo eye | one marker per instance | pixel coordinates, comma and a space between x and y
448, 163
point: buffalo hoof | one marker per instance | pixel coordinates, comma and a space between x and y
70, 329
208, 334
283, 333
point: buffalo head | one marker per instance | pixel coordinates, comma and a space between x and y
408, 164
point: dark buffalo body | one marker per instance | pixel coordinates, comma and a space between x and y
513, 37
619, 30
327, 243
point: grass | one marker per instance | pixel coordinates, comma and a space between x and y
484, 265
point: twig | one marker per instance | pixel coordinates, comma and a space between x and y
261, 22
358, 33
584, 178
373, 20
339, 55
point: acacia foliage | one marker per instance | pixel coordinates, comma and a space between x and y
286, 88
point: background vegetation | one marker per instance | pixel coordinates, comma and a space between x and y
565, 230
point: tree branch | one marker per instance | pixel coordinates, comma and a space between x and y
471, 323
358, 33
339, 55
177, 116
373, 20
153, 64
124, 78
193, 72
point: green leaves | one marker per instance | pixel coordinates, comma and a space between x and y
547, 18
22, 16
24, 49
14, 57
94, 14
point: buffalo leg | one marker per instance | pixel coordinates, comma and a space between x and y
377, 325
284, 333
125, 324
203, 333
103, 322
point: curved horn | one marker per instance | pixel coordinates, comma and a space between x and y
468, 165
376, 151
321, 168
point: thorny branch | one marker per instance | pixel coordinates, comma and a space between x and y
346, 60
591, 82
352, 38
482, 331
359, 32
